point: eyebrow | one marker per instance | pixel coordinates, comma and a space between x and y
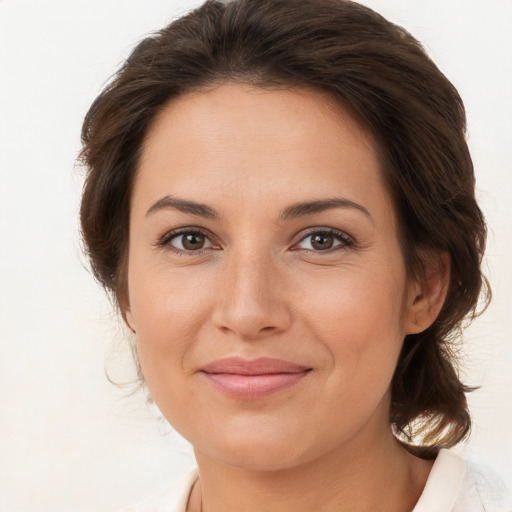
320, 205
290, 212
183, 205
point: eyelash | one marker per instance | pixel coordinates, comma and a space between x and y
342, 237
164, 242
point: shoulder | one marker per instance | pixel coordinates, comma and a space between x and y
171, 499
456, 485
483, 490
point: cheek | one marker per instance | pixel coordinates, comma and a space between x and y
168, 309
358, 319
162, 298
356, 301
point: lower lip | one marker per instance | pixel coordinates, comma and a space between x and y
252, 387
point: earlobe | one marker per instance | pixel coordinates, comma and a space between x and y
429, 295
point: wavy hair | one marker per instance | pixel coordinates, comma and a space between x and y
383, 76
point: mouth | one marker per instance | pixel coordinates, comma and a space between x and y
253, 379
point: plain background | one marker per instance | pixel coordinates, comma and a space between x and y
69, 441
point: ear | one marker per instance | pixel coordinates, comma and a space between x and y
426, 298
128, 320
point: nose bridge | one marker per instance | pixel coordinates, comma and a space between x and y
251, 303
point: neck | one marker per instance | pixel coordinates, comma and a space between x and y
382, 476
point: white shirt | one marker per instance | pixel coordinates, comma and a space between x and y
452, 486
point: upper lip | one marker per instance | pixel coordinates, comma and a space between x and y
259, 366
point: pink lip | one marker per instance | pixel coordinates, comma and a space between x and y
252, 379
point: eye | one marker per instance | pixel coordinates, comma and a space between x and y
190, 240
325, 240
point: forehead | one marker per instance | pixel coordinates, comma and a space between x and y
234, 139
249, 113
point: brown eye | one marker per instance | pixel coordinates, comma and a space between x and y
189, 241
319, 241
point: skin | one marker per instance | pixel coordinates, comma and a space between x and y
256, 285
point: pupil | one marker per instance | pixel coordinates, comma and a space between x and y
193, 241
322, 241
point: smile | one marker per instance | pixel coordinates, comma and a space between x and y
250, 380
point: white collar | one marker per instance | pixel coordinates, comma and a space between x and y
443, 484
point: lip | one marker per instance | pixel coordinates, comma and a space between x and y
245, 379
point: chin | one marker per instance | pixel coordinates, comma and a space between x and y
255, 451
258, 459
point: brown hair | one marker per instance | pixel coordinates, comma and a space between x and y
383, 76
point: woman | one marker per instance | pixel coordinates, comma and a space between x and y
280, 199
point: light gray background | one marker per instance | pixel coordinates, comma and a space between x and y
68, 440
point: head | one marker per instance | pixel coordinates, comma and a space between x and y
374, 78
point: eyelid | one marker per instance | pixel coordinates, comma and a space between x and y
346, 239
164, 241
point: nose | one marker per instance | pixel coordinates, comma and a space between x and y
251, 300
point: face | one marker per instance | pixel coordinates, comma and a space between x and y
266, 283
